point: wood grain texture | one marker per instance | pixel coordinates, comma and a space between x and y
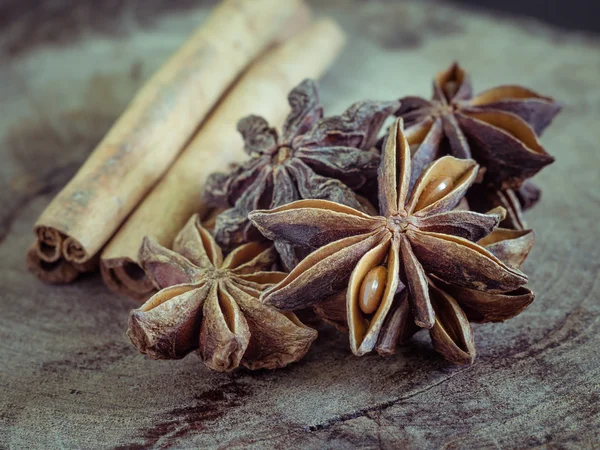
69, 378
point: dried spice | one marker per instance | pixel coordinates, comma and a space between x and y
498, 127
515, 201
315, 157
417, 239
509, 245
453, 336
211, 304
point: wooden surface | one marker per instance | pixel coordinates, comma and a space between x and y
69, 378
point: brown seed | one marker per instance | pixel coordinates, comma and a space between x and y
371, 289
435, 189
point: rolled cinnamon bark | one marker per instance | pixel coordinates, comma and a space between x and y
262, 90
150, 134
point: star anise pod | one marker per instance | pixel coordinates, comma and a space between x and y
417, 237
498, 127
515, 201
211, 304
456, 306
509, 245
314, 157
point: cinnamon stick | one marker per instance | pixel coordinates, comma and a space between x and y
263, 91
150, 134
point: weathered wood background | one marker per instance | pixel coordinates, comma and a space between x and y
69, 377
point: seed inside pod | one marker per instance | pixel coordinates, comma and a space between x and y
371, 289
435, 189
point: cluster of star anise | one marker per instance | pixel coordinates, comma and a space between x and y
442, 247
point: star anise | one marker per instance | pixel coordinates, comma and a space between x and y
509, 245
456, 306
515, 201
498, 127
315, 157
211, 304
418, 237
